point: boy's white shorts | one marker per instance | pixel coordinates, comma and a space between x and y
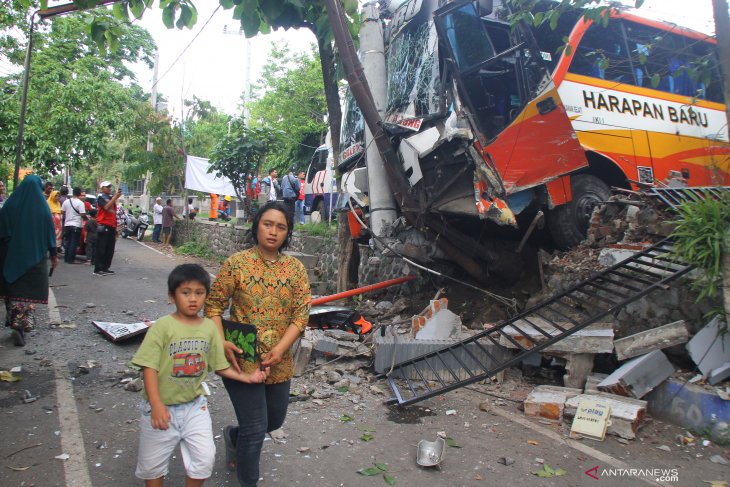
191, 426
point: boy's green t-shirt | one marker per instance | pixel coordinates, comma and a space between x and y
182, 355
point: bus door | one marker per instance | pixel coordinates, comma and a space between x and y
514, 105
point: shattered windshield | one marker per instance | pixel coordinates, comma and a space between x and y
414, 84
352, 134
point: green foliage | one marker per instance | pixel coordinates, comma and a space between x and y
194, 248
548, 472
700, 238
82, 102
322, 229
241, 153
378, 469
292, 100
244, 341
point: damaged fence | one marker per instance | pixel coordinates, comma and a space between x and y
487, 353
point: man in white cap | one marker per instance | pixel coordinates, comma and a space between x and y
157, 220
106, 233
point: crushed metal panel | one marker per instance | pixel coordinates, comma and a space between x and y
415, 147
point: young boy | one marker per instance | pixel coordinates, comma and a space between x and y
175, 356
90, 230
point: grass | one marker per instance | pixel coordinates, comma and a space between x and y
195, 249
322, 229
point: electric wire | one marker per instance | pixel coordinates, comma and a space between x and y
186, 47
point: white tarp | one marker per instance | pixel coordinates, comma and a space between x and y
197, 178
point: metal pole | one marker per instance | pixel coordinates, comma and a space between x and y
23, 102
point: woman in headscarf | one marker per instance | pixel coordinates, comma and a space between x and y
27, 235
54, 203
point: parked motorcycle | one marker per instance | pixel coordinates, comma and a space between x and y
135, 227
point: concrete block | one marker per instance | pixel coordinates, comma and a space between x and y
596, 338
647, 341
692, 407
577, 369
592, 382
719, 374
548, 401
639, 376
301, 356
404, 347
710, 347
627, 414
436, 322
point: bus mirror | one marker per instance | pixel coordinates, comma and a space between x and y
485, 7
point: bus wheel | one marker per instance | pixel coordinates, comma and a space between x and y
569, 223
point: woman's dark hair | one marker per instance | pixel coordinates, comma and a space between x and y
185, 273
273, 205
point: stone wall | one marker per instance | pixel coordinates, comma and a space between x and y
223, 239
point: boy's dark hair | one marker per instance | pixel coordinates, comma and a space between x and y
273, 205
93, 212
190, 200
185, 273
77, 191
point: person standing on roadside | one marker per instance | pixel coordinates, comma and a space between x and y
157, 219
2, 194
168, 215
270, 186
27, 237
299, 205
290, 190
74, 213
106, 232
47, 188
55, 206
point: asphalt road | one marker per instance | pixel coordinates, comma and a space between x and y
92, 419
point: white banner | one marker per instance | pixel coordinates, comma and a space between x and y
197, 178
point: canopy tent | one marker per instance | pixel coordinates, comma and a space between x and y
197, 178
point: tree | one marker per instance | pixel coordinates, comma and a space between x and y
242, 153
80, 98
293, 102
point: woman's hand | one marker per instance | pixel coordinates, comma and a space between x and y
54, 261
272, 358
231, 350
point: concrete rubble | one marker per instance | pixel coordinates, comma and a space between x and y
710, 349
639, 376
649, 340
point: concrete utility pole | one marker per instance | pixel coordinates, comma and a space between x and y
372, 51
144, 204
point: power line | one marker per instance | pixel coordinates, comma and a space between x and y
186, 47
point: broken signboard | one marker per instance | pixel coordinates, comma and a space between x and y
117, 332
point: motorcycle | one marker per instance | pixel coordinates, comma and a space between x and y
135, 227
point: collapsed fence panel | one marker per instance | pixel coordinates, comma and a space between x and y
483, 356
674, 197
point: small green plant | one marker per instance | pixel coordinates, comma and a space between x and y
194, 248
700, 238
244, 341
322, 229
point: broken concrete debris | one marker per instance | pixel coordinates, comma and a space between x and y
627, 414
649, 340
709, 347
639, 376
436, 322
548, 401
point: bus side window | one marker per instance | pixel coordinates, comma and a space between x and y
600, 54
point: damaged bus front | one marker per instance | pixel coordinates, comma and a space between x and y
475, 109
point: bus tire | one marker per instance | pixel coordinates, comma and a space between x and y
568, 223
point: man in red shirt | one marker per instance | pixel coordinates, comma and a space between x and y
106, 236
